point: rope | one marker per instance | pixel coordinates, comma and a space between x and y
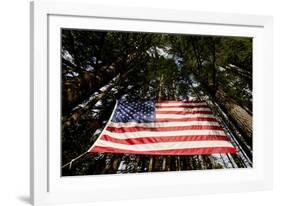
73, 160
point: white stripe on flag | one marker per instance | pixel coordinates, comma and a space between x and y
141, 134
162, 124
174, 116
165, 145
181, 104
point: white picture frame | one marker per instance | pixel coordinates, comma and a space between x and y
47, 186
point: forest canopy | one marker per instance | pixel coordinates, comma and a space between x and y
99, 67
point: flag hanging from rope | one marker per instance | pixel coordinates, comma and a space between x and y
163, 128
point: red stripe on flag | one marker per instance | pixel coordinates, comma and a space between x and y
149, 140
187, 119
184, 101
162, 129
183, 106
183, 112
188, 151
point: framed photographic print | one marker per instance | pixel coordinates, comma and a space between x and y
148, 102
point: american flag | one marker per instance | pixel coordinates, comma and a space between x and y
163, 128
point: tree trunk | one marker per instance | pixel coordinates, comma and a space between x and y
76, 113
242, 119
196, 53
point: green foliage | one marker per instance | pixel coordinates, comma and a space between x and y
237, 51
224, 62
93, 57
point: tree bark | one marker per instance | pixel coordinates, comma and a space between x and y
242, 119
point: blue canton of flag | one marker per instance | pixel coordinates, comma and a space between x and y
134, 111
